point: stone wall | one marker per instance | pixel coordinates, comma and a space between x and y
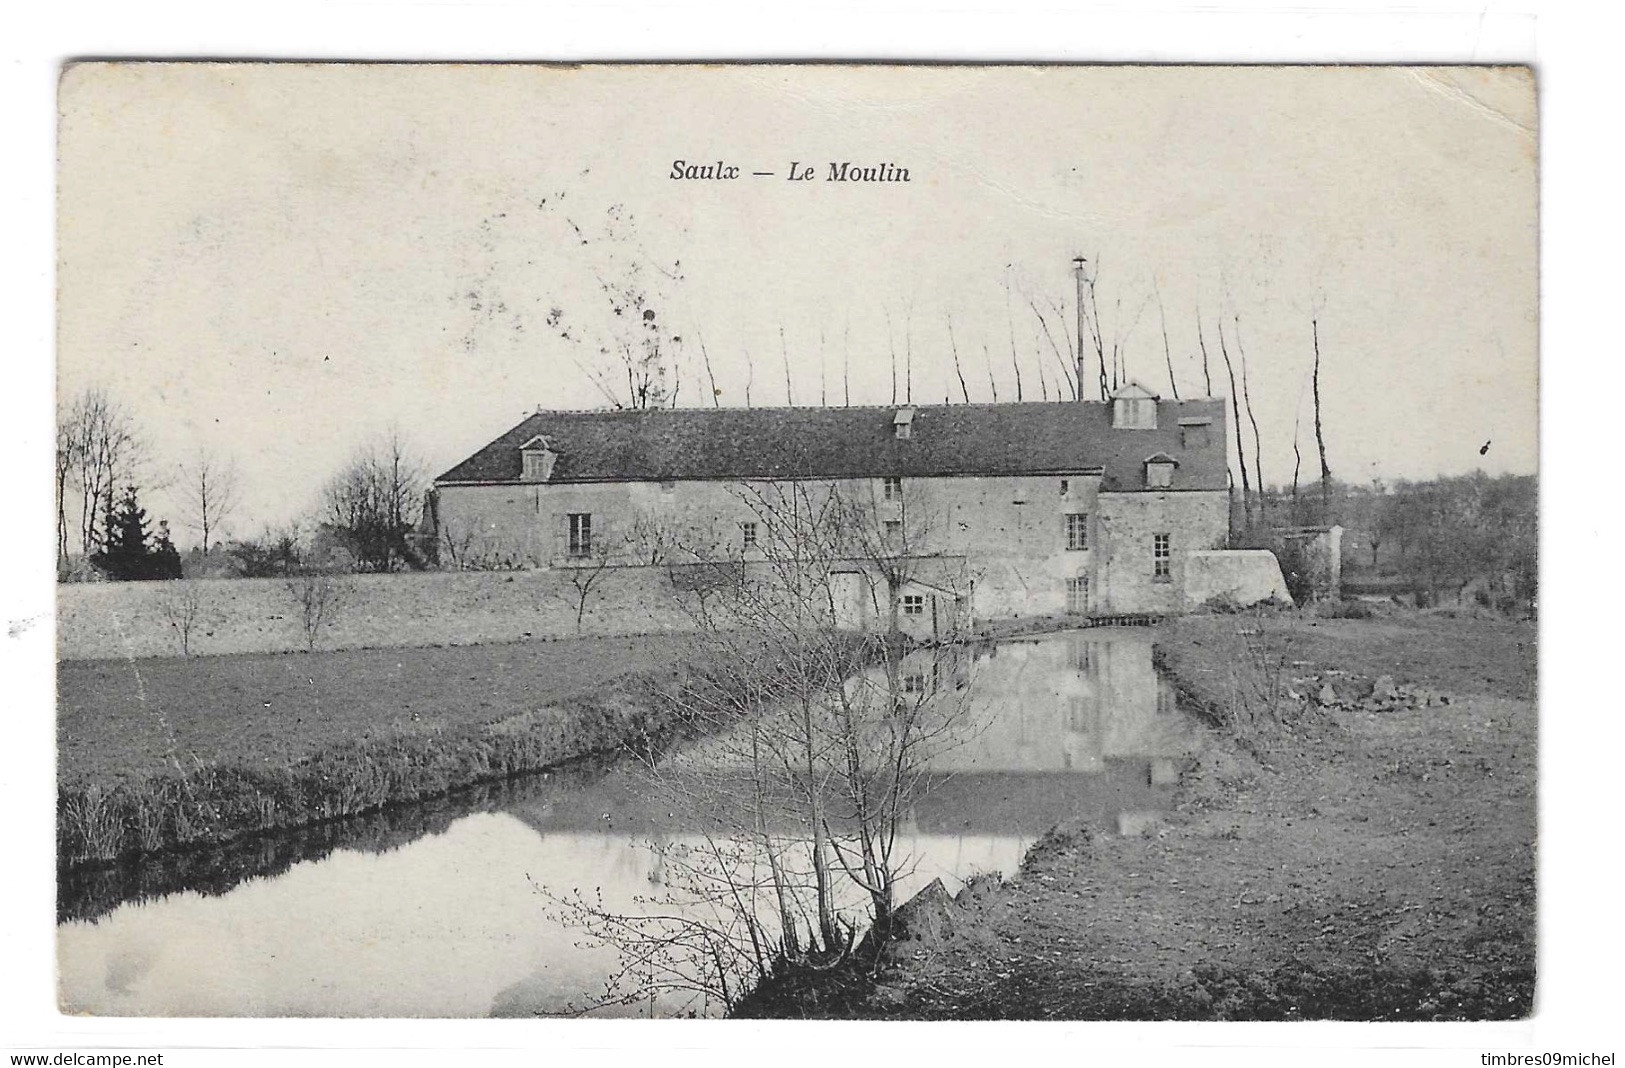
1241, 576
133, 619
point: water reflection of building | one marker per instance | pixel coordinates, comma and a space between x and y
1059, 727
1068, 702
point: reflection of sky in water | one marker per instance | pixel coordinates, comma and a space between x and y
453, 924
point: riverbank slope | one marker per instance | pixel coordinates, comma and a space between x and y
192, 751
1333, 856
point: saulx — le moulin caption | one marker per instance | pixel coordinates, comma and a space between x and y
722, 171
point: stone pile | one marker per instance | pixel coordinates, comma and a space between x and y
1352, 693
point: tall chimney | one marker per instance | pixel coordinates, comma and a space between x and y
1078, 263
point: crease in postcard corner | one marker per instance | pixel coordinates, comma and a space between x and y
1433, 82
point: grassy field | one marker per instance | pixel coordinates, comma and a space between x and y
1354, 864
163, 754
123, 719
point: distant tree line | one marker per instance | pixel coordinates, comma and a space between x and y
364, 517
1468, 536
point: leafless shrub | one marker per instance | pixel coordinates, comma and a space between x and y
467, 548
1256, 700
319, 597
185, 608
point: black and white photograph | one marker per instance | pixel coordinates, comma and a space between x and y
796, 541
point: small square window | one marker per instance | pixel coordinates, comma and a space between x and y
1195, 436
1159, 476
913, 605
914, 683
903, 423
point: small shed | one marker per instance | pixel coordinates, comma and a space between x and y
862, 601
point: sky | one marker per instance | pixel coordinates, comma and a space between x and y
280, 263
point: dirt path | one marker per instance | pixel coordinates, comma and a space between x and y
1361, 865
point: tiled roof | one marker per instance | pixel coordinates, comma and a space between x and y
656, 445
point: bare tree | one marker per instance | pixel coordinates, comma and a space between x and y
319, 596
624, 340
891, 348
1167, 351
1247, 399
466, 547
98, 449
953, 346
584, 574
846, 362
823, 389
275, 553
1241, 447
1061, 361
1297, 465
209, 494
1201, 341
908, 354
1010, 325
1320, 437
652, 540
705, 356
183, 606
784, 352
370, 503
817, 746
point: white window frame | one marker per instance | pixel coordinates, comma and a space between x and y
913, 604
1075, 525
1162, 557
748, 532
1077, 595
1134, 413
891, 489
579, 525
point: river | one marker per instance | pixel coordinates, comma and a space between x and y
463, 909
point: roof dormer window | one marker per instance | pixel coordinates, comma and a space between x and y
1134, 408
537, 460
1159, 471
903, 424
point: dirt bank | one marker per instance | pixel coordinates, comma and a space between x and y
1348, 864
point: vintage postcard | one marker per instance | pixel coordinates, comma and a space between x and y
916, 543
